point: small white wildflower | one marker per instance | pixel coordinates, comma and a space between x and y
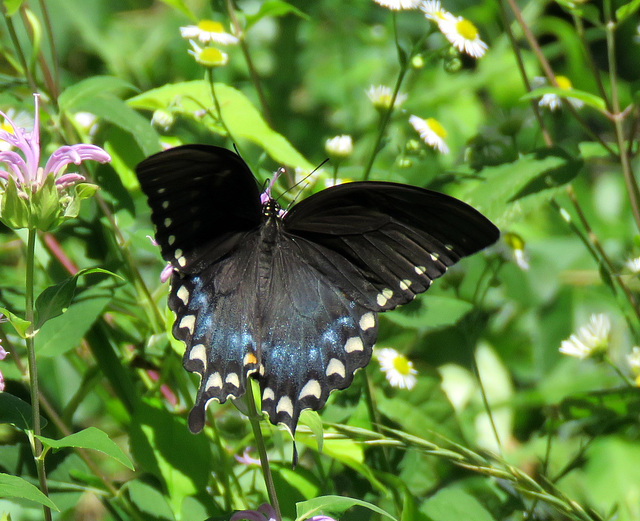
208, 31
633, 359
399, 5
163, 119
516, 243
380, 97
433, 11
633, 265
431, 132
590, 340
208, 56
553, 101
397, 368
339, 147
462, 34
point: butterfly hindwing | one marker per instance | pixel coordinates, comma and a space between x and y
314, 337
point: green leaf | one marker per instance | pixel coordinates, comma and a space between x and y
90, 438
586, 97
509, 191
78, 96
112, 109
19, 324
452, 504
63, 333
149, 500
12, 6
15, 487
179, 5
333, 505
239, 114
433, 312
627, 10
312, 420
45, 205
17, 412
14, 210
55, 300
273, 8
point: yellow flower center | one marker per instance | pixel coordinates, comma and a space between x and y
211, 57
564, 82
466, 29
402, 365
436, 128
6, 127
210, 26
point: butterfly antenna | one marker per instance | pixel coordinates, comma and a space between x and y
302, 181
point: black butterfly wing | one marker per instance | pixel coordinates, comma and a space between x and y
203, 199
314, 337
383, 243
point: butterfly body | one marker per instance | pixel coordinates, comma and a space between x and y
291, 298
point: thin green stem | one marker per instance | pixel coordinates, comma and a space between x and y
55, 83
577, 21
33, 372
23, 60
629, 178
617, 370
523, 73
217, 104
254, 420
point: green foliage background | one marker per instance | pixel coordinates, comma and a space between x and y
567, 428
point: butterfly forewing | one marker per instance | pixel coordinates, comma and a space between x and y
398, 238
200, 198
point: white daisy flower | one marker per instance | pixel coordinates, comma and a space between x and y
399, 5
462, 34
208, 56
553, 101
433, 11
633, 265
633, 359
208, 31
380, 97
590, 340
431, 132
397, 368
339, 147
516, 243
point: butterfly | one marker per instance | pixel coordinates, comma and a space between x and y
290, 298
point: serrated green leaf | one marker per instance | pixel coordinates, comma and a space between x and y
90, 438
15, 487
273, 8
85, 190
333, 505
19, 324
76, 97
586, 97
241, 117
14, 210
17, 412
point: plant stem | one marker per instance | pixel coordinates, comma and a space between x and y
36, 445
217, 105
629, 178
254, 420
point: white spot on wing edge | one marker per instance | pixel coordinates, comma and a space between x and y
336, 367
420, 270
232, 378
182, 261
188, 321
367, 321
311, 388
268, 394
285, 406
198, 352
384, 296
215, 380
354, 344
167, 222
183, 294
171, 240
405, 284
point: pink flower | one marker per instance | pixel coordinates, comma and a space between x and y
26, 170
